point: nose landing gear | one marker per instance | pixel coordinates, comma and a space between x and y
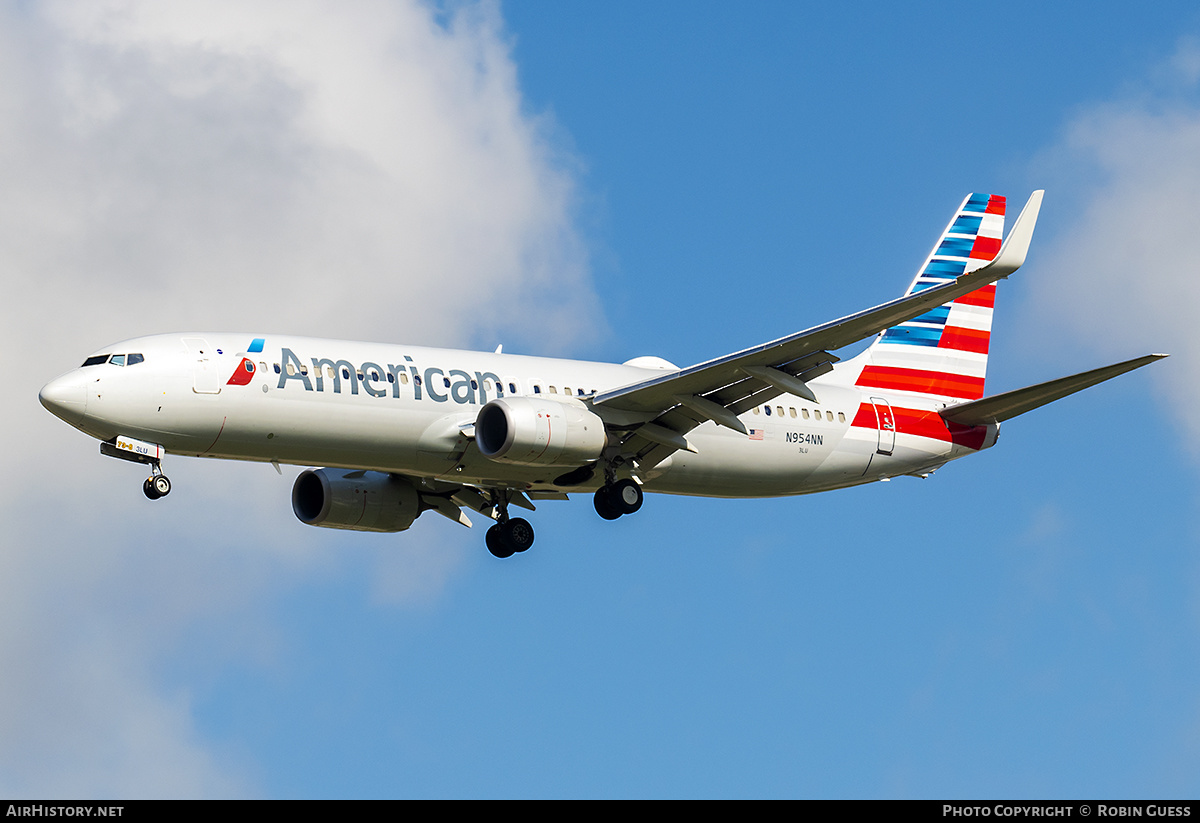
137, 451
156, 485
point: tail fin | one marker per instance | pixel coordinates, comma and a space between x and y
943, 352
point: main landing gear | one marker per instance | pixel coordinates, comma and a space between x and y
615, 499
510, 535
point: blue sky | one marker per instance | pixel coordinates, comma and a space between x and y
605, 181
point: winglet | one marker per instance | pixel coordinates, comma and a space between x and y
1012, 253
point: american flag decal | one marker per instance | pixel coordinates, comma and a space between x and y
756, 434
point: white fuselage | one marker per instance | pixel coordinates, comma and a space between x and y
410, 410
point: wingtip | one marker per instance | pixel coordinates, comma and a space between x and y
1016, 245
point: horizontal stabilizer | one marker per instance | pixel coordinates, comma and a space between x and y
1001, 407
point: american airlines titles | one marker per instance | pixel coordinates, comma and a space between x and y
440, 386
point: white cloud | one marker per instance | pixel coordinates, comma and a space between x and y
364, 171
1122, 272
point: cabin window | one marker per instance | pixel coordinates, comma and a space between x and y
291, 370
756, 409
345, 373
391, 377
537, 389
779, 409
277, 368
841, 417
512, 388
553, 390
330, 373
304, 369
804, 413
262, 365
792, 410
767, 409
829, 416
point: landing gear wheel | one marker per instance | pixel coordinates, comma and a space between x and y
622, 497
161, 484
626, 496
149, 490
507, 538
518, 534
606, 507
495, 542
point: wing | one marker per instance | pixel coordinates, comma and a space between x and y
656, 414
450, 499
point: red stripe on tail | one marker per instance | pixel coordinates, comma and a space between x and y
985, 248
962, 339
942, 384
985, 297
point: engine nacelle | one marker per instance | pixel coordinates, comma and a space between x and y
533, 432
359, 500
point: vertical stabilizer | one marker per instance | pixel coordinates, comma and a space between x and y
943, 353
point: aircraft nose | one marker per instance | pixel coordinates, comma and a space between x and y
66, 396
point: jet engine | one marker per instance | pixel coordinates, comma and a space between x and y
527, 431
358, 500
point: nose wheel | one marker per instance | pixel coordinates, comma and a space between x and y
156, 485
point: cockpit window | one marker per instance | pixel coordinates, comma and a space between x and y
115, 359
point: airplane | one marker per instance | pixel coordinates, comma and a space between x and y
400, 430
